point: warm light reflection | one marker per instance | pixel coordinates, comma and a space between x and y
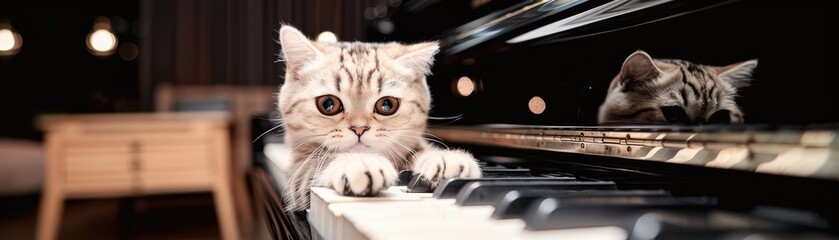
128, 51
102, 40
327, 37
465, 86
10, 41
7, 40
536, 105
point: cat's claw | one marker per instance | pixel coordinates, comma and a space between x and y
367, 192
440, 165
358, 174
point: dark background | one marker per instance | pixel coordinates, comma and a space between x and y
183, 42
54, 72
217, 42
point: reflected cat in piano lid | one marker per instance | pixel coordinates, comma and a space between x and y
355, 113
672, 91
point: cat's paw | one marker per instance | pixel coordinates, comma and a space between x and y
358, 174
438, 165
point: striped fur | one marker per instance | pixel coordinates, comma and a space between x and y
645, 86
359, 74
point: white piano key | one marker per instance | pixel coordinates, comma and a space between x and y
400, 215
422, 221
592, 233
325, 212
491, 232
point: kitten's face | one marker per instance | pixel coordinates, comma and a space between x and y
662, 91
358, 97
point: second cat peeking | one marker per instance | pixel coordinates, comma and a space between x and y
673, 91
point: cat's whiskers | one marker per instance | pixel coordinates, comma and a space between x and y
456, 117
303, 141
323, 159
453, 119
319, 153
400, 129
293, 179
397, 156
435, 139
420, 138
279, 121
322, 152
269, 130
410, 150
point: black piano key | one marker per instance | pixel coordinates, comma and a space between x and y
714, 224
505, 172
515, 203
499, 170
802, 217
404, 177
451, 187
762, 235
419, 184
676, 233
485, 193
556, 213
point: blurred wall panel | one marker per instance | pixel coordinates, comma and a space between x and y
224, 42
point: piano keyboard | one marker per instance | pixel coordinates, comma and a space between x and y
401, 215
524, 206
554, 201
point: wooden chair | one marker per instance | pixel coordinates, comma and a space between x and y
242, 103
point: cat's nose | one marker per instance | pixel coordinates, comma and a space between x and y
359, 130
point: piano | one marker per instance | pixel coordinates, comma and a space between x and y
518, 83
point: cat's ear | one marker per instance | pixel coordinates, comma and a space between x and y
639, 66
297, 48
739, 74
419, 57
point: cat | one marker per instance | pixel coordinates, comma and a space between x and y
354, 114
673, 91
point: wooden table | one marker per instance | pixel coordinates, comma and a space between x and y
136, 154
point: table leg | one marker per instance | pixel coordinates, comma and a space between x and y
49, 219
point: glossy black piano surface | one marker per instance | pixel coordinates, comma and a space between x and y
641, 173
572, 69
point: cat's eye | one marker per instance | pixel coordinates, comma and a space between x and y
329, 105
675, 115
387, 105
721, 116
